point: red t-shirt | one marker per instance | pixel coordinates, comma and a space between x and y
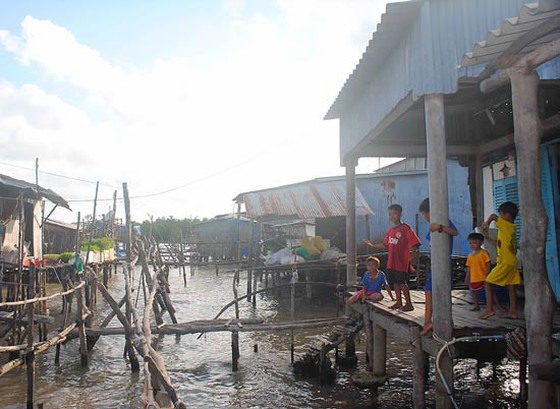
399, 240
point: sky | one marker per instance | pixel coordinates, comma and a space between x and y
188, 102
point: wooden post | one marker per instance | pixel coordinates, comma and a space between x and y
523, 380
292, 311
235, 295
419, 359
539, 302
369, 341
254, 289
234, 351
81, 326
92, 222
30, 356
350, 223
134, 365
249, 283
440, 246
379, 351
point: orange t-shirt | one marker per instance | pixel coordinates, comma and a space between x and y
478, 265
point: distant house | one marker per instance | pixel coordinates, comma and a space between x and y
317, 206
226, 237
21, 217
58, 237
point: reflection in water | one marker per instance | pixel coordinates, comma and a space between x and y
200, 369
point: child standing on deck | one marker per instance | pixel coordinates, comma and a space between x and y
450, 230
373, 282
399, 240
505, 273
478, 267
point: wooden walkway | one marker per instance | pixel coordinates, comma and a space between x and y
465, 321
380, 320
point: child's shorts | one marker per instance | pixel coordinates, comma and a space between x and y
504, 274
477, 285
368, 293
396, 277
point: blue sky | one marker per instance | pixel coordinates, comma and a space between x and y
214, 97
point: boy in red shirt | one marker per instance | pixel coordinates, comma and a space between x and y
399, 240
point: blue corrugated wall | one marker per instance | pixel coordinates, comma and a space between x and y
409, 190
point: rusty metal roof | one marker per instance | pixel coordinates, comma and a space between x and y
34, 190
512, 28
311, 199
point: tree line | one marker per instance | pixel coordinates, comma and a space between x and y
170, 229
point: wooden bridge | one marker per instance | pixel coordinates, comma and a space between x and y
487, 338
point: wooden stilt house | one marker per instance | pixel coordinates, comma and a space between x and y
475, 80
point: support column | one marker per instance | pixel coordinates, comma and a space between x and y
350, 224
539, 302
379, 351
419, 360
440, 248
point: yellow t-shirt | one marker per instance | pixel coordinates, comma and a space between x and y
478, 265
507, 242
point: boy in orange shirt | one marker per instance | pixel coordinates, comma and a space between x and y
478, 267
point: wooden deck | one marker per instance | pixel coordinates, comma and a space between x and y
464, 320
379, 321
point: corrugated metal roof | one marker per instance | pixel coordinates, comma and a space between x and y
311, 199
498, 40
419, 56
34, 189
382, 43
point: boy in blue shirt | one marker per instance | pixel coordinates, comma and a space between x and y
373, 282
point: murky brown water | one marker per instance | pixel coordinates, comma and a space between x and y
200, 369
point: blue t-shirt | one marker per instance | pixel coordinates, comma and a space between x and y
429, 236
374, 285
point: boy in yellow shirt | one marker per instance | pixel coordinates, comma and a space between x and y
505, 273
478, 266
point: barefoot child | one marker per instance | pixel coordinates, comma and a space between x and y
373, 282
399, 240
478, 267
450, 230
505, 273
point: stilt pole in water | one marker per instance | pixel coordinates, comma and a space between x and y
419, 358
234, 351
30, 356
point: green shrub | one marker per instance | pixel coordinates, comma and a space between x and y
64, 257
51, 257
99, 244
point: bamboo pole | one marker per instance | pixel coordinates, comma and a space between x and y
134, 365
81, 326
92, 223
30, 357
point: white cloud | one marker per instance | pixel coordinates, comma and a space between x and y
250, 119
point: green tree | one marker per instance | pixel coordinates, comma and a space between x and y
169, 229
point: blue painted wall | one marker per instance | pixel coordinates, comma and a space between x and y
409, 189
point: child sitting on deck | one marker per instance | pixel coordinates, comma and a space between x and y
478, 267
505, 273
373, 282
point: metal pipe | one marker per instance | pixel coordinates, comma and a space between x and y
473, 338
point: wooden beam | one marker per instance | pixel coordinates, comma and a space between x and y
529, 37
412, 149
539, 300
351, 269
402, 107
525, 63
440, 247
549, 126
